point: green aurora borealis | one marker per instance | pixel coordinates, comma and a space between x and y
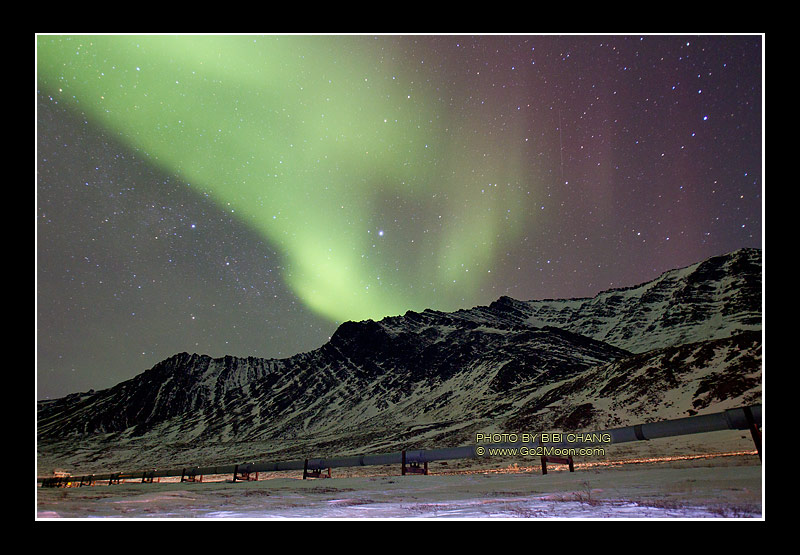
246, 194
302, 139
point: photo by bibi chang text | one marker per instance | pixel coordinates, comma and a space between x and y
548, 444
544, 437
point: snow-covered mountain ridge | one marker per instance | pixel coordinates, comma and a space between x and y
715, 298
686, 342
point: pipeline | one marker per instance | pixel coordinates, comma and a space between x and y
742, 418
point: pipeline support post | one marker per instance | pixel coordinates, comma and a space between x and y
191, 475
314, 472
244, 475
755, 433
557, 460
55, 482
413, 466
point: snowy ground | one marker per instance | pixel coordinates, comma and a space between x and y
723, 487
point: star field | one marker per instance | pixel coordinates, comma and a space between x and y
246, 194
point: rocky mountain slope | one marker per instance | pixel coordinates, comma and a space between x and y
686, 342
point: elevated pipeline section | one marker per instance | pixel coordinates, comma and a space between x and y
742, 418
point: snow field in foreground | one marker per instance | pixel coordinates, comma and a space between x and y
727, 491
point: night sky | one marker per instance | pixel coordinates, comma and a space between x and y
246, 194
